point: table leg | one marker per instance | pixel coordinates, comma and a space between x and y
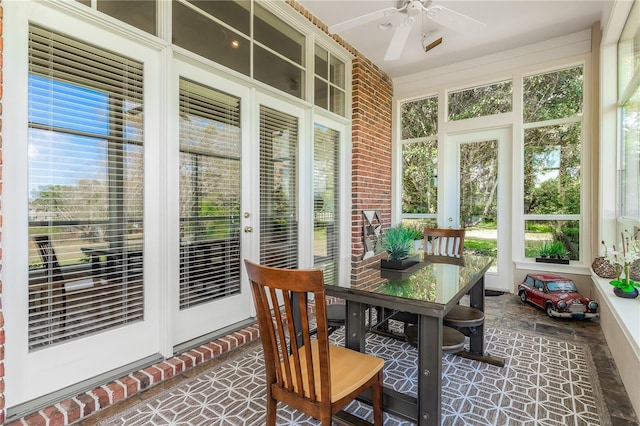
355, 330
476, 339
429, 370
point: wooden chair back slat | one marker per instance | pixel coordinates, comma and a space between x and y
444, 241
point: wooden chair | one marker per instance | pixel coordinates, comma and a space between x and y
450, 242
312, 376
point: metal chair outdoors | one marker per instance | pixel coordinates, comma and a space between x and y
51, 296
314, 377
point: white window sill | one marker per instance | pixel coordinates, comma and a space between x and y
576, 268
626, 312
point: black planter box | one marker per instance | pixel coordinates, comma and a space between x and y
552, 260
399, 264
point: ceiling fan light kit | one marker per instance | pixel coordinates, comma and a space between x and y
440, 15
431, 40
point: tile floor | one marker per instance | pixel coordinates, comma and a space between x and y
507, 312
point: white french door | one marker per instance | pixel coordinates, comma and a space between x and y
478, 196
207, 291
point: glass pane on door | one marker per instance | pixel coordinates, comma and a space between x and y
278, 201
209, 194
479, 196
326, 177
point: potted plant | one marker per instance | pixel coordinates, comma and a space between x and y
629, 252
554, 252
397, 241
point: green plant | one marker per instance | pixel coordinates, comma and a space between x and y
558, 250
554, 249
398, 241
417, 233
544, 250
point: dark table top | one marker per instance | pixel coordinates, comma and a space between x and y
430, 287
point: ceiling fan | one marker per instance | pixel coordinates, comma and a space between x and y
413, 9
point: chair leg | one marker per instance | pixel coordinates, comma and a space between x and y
377, 401
272, 405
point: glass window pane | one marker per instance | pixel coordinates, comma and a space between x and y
630, 173
321, 95
553, 95
552, 169
326, 198
629, 49
276, 72
139, 13
221, 45
233, 13
278, 200
481, 101
539, 233
337, 101
209, 194
321, 62
419, 118
420, 177
277, 35
85, 190
337, 72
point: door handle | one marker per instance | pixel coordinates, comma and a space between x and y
248, 229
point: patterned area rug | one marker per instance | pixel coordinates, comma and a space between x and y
544, 382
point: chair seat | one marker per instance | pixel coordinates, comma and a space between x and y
336, 315
464, 317
349, 370
452, 340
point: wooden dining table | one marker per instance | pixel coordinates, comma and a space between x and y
429, 289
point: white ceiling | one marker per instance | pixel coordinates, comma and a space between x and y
509, 24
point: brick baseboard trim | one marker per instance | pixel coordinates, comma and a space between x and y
85, 404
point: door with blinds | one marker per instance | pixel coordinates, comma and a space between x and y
85, 242
209, 294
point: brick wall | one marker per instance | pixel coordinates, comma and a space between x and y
372, 92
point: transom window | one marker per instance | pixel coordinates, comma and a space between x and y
480, 101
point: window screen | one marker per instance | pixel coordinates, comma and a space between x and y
85, 189
278, 201
210, 146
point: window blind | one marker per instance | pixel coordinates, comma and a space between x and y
85, 189
210, 146
278, 201
326, 201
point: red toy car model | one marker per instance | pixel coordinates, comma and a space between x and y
557, 295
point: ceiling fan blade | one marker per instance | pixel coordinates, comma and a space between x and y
399, 39
454, 20
362, 19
